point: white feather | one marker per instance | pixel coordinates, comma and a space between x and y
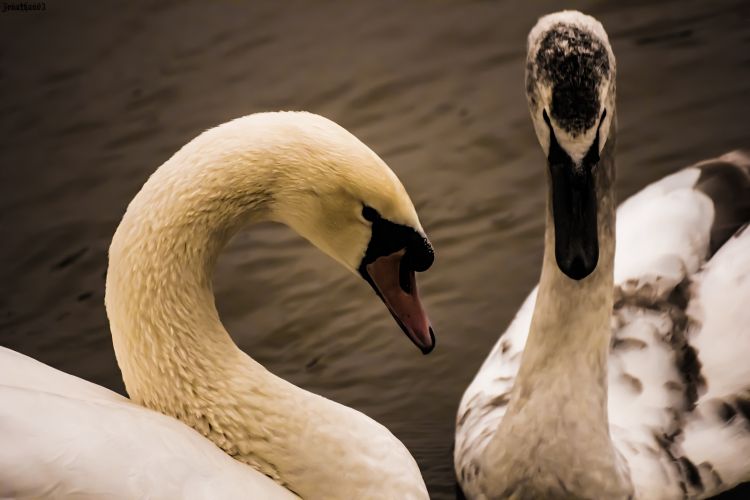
63, 437
722, 339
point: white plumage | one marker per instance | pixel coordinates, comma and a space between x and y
65, 438
675, 419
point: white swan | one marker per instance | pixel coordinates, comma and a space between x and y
622, 376
177, 358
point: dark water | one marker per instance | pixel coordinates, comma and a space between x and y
95, 95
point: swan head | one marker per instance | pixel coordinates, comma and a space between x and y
347, 202
570, 88
570, 83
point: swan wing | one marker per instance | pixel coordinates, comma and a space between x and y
93, 443
18, 370
670, 236
716, 435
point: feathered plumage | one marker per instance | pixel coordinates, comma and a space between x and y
676, 416
177, 358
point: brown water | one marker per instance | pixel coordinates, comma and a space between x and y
95, 95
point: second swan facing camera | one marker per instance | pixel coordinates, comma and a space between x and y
623, 375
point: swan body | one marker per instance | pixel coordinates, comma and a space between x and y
622, 374
176, 357
64, 437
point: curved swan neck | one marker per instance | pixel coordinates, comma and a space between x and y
174, 353
159, 293
159, 285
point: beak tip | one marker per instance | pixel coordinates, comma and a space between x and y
428, 349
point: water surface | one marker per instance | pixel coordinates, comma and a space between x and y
95, 95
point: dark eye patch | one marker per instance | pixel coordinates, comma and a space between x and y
370, 213
389, 237
557, 156
592, 156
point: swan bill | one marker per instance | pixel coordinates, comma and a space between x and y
394, 254
574, 209
396, 284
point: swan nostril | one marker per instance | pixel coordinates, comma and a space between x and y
405, 275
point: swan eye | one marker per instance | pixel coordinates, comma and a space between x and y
370, 213
556, 155
592, 157
389, 237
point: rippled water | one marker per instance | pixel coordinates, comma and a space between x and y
95, 95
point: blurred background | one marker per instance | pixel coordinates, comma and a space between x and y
94, 96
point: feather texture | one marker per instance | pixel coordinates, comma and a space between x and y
64, 437
625, 379
176, 357
678, 380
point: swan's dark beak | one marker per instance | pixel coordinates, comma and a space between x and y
574, 207
574, 213
395, 282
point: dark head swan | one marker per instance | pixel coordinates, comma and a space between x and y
176, 357
623, 375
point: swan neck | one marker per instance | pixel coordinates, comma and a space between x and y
571, 317
175, 355
159, 295
565, 359
165, 327
558, 404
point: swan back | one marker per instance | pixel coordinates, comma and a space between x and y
97, 444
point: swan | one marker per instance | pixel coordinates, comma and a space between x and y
176, 358
622, 375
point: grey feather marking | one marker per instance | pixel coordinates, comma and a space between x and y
726, 181
743, 404
687, 358
687, 363
674, 306
727, 412
500, 400
627, 344
634, 383
691, 473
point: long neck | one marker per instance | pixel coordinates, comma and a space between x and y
175, 355
165, 327
555, 430
568, 343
